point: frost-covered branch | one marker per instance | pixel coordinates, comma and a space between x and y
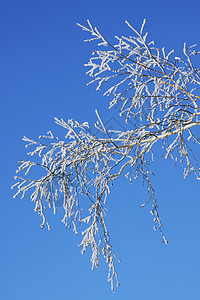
158, 94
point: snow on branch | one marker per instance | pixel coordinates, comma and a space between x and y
158, 94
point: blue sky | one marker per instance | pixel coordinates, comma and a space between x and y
42, 77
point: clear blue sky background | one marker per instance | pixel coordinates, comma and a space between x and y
42, 76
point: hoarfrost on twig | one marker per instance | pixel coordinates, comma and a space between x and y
158, 94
